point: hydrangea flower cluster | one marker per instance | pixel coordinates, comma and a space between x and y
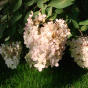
11, 54
79, 50
46, 41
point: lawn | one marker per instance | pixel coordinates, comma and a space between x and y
67, 75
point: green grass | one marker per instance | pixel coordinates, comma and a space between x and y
68, 75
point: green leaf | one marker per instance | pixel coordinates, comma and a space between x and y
53, 17
75, 24
43, 9
12, 31
85, 22
36, 13
40, 3
4, 18
61, 3
7, 38
30, 3
44, 1
74, 12
16, 18
20, 29
84, 28
59, 11
26, 16
17, 5
2, 29
49, 11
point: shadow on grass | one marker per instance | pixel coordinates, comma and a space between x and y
67, 74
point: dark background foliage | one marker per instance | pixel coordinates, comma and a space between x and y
14, 14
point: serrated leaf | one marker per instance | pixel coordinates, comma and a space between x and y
17, 5
29, 3
85, 22
61, 3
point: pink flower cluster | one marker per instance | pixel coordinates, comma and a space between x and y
79, 50
45, 40
11, 54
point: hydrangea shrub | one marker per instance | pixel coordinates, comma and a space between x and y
45, 34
